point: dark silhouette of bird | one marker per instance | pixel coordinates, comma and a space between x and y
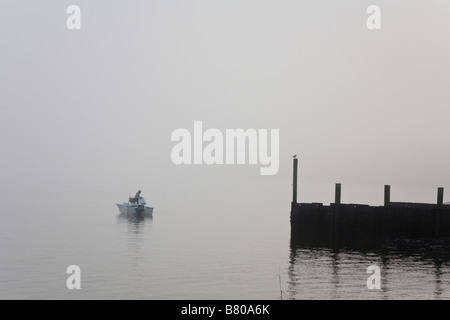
295, 156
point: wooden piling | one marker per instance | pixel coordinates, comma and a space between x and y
438, 214
337, 194
294, 184
387, 195
337, 204
440, 197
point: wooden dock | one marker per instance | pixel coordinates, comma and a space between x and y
362, 226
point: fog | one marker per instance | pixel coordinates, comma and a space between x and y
93, 110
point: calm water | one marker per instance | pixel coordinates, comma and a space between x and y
232, 247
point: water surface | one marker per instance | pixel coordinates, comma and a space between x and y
235, 247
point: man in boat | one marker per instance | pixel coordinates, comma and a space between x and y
136, 197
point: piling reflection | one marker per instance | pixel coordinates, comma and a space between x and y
438, 281
335, 273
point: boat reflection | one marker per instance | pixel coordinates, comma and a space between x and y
136, 224
134, 218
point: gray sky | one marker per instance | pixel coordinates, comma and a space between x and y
94, 109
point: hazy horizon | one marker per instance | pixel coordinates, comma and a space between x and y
92, 110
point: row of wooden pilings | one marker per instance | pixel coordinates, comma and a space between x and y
337, 193
359, 225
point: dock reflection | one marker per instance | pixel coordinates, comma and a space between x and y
324, 273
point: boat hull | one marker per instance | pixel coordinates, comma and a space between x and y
133, 210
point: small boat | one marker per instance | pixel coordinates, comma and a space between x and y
135, 206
